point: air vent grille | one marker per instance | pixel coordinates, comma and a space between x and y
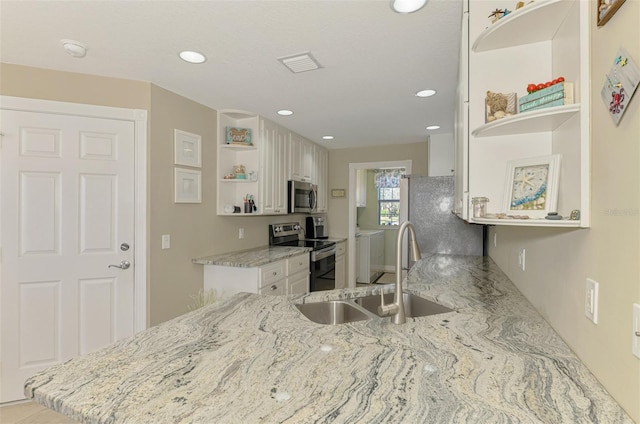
301, 62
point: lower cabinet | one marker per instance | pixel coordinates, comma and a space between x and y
341, 266
288, 276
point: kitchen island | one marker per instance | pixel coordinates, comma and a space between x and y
256, 359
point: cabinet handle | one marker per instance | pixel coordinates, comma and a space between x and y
274, 287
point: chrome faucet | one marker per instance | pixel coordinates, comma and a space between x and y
397, 307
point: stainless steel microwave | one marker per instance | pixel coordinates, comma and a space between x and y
303, 197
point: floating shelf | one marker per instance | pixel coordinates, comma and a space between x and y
540, 120
237, 147
535, 22
527, 222
237, 180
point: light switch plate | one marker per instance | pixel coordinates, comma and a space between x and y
636, 331
591, 300
166, 241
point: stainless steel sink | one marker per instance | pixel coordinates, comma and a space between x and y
333, 312
414, 306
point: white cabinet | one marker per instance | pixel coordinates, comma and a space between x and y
361, 188
370, 252
321, 161
301, 158
289, 276
273, 157
341, 266
536, 43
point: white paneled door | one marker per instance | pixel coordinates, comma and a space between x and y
67, 215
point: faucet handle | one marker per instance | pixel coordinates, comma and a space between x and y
386, 310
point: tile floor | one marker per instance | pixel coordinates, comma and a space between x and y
31, 413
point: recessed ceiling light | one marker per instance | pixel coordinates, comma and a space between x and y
425, 93
328, 137
433, 127
74, 48
192, 57
407, 6
285, 112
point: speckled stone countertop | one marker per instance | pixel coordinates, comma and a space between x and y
252, 257
256, 359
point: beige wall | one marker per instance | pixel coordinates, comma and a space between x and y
559, 261
339, 160
37, 83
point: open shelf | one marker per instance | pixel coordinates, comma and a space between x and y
238, 147
527, 222
535, 22
237, 180
540, 120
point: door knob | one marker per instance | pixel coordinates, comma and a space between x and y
123, 265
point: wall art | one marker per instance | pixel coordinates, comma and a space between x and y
187, 148
620, 85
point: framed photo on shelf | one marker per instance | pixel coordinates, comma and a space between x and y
187, 148
606, 9
187, 186
531, 186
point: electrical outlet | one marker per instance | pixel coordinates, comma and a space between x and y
521, 259
635, 344
591, 300
166, 241
495, 239
241, 233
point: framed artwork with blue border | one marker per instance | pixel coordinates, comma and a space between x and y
531, 186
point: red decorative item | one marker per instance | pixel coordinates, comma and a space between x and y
532, 88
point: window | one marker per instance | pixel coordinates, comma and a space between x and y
389, 206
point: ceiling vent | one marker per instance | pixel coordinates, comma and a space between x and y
301, 62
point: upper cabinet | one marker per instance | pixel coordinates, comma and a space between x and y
256, 157
539, 42
301, 165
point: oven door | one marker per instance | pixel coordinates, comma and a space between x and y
323, 265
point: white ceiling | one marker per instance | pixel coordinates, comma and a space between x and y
373, 59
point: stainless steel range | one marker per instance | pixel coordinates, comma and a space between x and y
322, 258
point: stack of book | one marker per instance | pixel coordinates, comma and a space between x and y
555, 95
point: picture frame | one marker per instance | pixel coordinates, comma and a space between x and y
606, 9
531, 186
187, 185
187, 148
338, 192
238, 136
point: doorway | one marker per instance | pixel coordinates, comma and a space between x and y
72, 230
353, 171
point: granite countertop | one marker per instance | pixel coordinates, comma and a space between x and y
252, 257
256, 359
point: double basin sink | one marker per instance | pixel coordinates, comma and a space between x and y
366, 308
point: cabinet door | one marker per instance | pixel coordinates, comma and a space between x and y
321, 176
307, 161
298, 283
294, 156
273, 196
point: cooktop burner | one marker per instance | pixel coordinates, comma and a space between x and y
288, 235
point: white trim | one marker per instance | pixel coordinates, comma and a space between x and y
139, 118
351, 240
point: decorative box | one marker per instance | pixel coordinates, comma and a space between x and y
555, 95
238, 136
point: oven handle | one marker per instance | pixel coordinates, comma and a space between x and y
321, 254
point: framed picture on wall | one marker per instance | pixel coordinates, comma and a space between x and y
606, 9
187, 148
187, 186
531, 186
